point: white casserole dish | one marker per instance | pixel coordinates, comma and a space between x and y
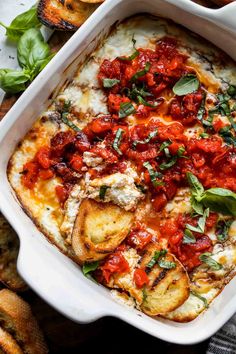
51, 274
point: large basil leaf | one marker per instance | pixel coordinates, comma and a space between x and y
220, 200
186, 84
32, 51
21, 24
13, 81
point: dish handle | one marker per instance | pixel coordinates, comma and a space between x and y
52, 279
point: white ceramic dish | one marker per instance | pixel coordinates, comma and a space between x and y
51, 274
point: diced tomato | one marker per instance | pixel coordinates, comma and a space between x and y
43, 157
116, 263
76, 163
30, 174
46, 174
114, 102
138, 238
140, 278
62, 193
159, 202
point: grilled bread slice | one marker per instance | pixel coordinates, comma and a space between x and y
9, 248
99, 229
8, 345
168, 286
166, 290
17, 319
64, 14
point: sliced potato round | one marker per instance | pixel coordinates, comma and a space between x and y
99, 229
167, 288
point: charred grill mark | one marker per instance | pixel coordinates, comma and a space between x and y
160, 277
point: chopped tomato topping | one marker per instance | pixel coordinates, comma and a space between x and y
116, 263
62, 193
139, 238
159, 202
46, 174
30, 174
43, 157
140, 278
76, 163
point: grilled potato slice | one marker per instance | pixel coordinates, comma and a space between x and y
99, 229
64, 14
167, 288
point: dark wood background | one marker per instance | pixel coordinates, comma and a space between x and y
107, 335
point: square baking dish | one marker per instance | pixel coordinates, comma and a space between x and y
56, 278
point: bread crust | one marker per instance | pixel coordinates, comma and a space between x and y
8, 344
17, 319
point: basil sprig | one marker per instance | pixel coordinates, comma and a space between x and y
222, 229
141, 72
153, 174
108, 83
126, 108
145, 141
102, 191
188, 237
155, 258
186, 84
220, 200
200, 228
117, 140
207, 259
33, 55
88, 268
21, 24
203, 299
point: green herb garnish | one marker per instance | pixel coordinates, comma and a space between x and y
126, 108
141, 72
132, 56
145, 141
207, 258
156, 257
222, 229
108, 83
88, 268
102, 191
117, 140
188, 237
153, 174
201, 223
186, 84
166, 264
203, 299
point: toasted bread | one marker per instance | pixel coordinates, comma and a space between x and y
99, 229
9, 248
8, 345
17, 319
167, 288
64, 15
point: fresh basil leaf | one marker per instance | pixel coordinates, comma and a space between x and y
201, 112
32, 51
207, 258
108, 83
165, 144
156, 257
231, 90
196, 206
141, 72
165, 165
222, 229
200, 228
232, 122
144, 293
204, 135
181, 151
166, 264
203, 299
141, 187
220, 200
186, 84
90, 267
188, 237
153, 174
117, 140
21, 24
145, 141
197, 188
70, 124
126, 108
132, 56
13, 81
138, 89
145, 103
102, 191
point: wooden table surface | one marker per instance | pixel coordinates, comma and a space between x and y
107, 335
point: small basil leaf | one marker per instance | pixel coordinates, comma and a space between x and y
203, 299
13, 81
126, 108
231, 90
102, 192
90, 267
108, 83
141, 72
153, 174
201, 223
70, 124
155, 258
21, 24
145, 103
188, 237
166, 264
186, 84
166, 165
207, 258
222, 229
220, 200
145, 141
197, 207
165, 144
197, 188
117, 140
144, 293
